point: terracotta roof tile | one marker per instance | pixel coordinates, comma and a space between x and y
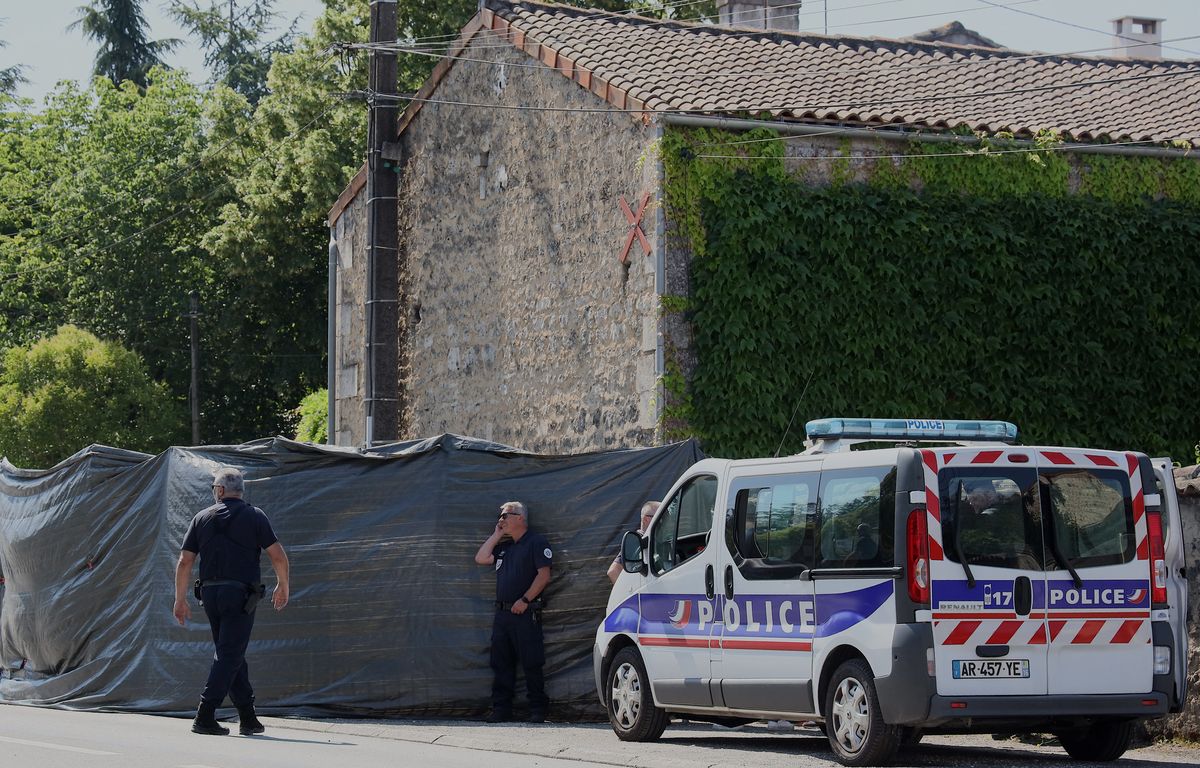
675, 66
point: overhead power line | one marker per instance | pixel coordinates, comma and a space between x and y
738, 31
1079, 26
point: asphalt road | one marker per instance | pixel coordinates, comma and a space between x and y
46, 738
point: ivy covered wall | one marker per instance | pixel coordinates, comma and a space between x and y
1055, 291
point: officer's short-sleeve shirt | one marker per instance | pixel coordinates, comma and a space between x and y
517, 564
229, 537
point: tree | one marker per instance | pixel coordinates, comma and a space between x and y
314, 417
121, 30
234, 38
70, 390
663, 9
104, 197
10, 77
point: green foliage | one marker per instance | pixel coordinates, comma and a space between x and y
235, 41
674, 304
115, 203
126, 53
105, 195
72, 389
1066, 314
656, 9
314, 417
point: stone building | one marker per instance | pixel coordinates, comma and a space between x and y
534, 252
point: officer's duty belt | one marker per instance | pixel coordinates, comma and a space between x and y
223, 583
534, 603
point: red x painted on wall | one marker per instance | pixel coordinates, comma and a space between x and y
635, 227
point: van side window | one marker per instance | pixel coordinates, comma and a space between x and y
772, 526
1092, 517
991, 517
857, 518
681, 530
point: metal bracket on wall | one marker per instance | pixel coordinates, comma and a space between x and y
635, 227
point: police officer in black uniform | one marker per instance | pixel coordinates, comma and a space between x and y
522, 563
229, 537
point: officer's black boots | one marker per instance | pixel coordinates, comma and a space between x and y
499, 716
206, 722
536, 716
249, 724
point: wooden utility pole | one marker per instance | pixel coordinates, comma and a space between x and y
382, 351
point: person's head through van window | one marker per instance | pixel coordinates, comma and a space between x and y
983, 498
648, 510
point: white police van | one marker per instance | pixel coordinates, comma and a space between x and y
972, 586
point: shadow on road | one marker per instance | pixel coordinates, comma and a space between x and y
318, 742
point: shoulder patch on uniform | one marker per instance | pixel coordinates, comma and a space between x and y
547, 552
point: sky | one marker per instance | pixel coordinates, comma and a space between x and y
37, 36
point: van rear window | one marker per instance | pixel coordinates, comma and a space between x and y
1044, 520
1092, 516
991, 518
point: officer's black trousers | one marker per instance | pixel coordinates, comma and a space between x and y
517, 639
231, 625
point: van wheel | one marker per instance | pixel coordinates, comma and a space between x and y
1100, 742
631, 708
853, 721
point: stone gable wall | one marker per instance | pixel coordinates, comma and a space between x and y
519, 323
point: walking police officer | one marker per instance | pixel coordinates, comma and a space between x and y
522, 573
229, 537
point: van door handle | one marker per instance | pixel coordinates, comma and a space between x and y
729, 582
710, 590
1022, 595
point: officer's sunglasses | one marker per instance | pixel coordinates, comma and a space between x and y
503, 515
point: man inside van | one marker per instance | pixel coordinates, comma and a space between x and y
648, 510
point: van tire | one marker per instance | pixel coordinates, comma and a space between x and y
853, 720
631, 708
1099, 742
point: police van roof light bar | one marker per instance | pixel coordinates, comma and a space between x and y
914, 430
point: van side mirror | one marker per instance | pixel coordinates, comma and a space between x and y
633, 553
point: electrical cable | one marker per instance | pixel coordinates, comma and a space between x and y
1079, 26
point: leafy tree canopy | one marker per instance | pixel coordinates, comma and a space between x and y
126, 52
70, 390
235, 37
314, 417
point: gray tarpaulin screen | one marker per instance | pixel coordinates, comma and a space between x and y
389, 613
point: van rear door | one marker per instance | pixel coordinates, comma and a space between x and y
1097, 572
986, 571
1177, 587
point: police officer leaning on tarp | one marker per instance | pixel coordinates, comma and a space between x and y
229, 537
522, 559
